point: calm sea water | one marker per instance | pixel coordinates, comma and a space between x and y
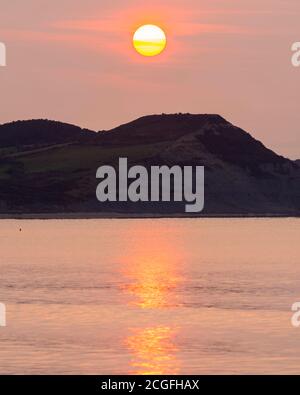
176, 296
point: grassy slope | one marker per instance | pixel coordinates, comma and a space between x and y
45, 175
75, 157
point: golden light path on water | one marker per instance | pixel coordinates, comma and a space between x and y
152, 275
153, 351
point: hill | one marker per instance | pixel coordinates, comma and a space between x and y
49, 167
40, 132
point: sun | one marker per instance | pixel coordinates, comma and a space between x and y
149, 40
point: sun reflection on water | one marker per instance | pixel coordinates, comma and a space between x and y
152, 276
153, 351
152, 282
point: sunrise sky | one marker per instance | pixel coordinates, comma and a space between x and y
74, 62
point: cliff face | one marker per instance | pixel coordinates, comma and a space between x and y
47, 166
242, 175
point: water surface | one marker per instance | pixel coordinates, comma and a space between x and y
177, 296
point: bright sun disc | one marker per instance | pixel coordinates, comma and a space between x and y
149, 40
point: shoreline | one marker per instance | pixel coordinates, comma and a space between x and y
112, 215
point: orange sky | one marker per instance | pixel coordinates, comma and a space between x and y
74, 62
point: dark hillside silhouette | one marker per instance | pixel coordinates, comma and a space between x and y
50, 167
